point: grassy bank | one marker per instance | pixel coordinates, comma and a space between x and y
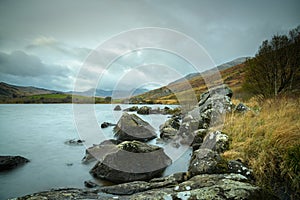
267, 138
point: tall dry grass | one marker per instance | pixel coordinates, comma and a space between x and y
267, 138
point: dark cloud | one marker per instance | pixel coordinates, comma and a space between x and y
19, 63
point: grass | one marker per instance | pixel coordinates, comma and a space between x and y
267, 138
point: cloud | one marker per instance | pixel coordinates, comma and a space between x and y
49, 45
19, 63
21, 68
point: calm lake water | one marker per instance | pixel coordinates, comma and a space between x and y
39, 132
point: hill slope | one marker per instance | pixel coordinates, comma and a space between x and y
13, 91
194, 84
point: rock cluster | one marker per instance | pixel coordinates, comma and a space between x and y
209, 175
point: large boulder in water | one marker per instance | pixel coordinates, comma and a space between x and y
131, 127
131, 161
11, 162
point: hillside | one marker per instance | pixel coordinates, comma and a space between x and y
13, 91
19, 94
233, 76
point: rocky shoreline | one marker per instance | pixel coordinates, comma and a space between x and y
135, 166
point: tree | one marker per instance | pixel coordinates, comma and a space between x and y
275, 69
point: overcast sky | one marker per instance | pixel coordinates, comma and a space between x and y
46, 43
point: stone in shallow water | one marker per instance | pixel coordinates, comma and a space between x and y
131, 161
11, 162
131, 127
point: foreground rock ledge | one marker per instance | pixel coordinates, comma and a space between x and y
206, 187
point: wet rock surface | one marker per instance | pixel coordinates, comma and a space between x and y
11, 162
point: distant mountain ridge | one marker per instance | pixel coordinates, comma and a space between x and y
8, 91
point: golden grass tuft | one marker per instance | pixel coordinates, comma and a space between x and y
267, 138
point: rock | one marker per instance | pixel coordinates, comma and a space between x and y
213, 105
107, 124
169, 129
96, 152
216, 141
140, 186
241, 108
11, 162
144, 110
66, 193
206, 161
90, 184
131, 109
198, 138
75, 142
206, 187
131, 127
237, 167
117, 108
168, 133
200, 187
222, 90
131, 161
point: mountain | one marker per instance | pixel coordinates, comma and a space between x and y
232, 74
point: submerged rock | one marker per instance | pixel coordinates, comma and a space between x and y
75, 142
131, 161
131, 127
11, 162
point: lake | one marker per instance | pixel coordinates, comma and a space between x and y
39, 132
